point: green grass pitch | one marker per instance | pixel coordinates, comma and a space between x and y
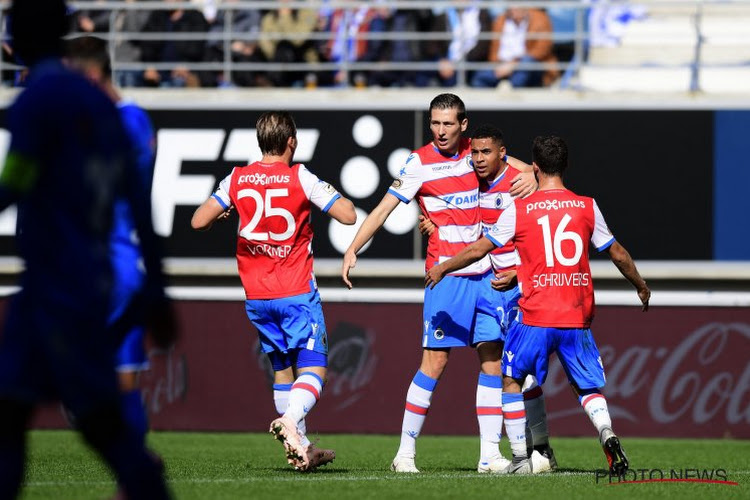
252, 466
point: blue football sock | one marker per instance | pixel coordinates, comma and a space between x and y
135, 414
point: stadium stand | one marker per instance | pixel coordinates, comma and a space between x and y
600, 45
676, 46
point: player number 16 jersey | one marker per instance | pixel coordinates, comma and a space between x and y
552, 230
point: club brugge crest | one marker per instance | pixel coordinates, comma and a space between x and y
501, 201
439, 334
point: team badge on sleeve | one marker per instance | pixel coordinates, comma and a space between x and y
329, 189
397, 183
502, 201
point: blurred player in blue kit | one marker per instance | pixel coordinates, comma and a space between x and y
89, 55
69, 160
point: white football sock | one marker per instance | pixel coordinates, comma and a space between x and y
418, 400
515, 423
305, 393
595, 405
489, 416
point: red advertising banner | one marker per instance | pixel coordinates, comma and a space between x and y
670, 372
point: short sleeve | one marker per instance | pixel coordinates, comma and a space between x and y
320, 193
601, 237
409, 179
222, 193
505, 228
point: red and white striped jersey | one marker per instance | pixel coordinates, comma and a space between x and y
551, 230
493, 199
447, 191
274, 241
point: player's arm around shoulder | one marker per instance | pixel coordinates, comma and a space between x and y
523, 184
519, 164
624, 262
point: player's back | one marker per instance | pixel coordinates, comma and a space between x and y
74, 135
494, 198
274, 244
449, 196
553, 230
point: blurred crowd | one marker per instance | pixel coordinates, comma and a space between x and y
512, 43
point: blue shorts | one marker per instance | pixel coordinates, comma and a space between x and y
528, 348
495, 310
131, 353
126, 320
289, 323
128, 284
460, 312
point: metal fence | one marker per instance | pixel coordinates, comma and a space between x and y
670, 27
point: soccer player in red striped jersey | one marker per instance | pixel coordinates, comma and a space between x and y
440, 176
273, 198
550, 229
492, 168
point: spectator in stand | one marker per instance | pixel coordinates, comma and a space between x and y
245, 25
465, 24
177, 21
401, 50
127, 50
92, 20
347, 45
294, 27
521, 35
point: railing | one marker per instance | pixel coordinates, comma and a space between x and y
579, 37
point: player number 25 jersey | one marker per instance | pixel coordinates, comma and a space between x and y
274, 242
551, 230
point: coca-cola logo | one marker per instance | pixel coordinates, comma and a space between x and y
690, 380
351, 364
166, 381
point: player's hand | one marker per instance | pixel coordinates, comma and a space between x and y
225, 214
644, 293
433, 276
504, 280
350, 261
426, 226
523, 185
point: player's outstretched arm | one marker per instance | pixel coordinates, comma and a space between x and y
624, 262
467, 256
206, 214
367, 230
343, 211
